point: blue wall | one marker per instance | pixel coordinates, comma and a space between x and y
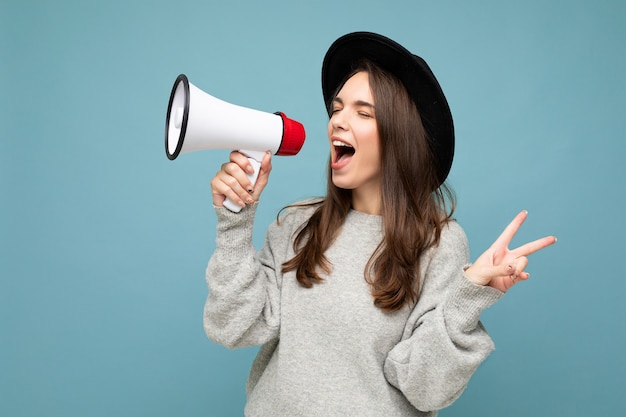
103, 241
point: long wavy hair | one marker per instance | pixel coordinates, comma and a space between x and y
415, 207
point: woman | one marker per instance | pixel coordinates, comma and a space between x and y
364, 301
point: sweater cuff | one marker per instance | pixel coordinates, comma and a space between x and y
227, 218
467, 301
234, 230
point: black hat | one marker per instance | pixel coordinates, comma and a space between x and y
414, 73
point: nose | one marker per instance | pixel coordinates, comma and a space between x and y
338, 121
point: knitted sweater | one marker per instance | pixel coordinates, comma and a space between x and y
327, 350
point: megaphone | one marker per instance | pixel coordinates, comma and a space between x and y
197, 121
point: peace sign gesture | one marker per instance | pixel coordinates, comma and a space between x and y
501, 267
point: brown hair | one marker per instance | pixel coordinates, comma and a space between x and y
414, 204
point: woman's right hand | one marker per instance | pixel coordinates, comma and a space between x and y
232, 181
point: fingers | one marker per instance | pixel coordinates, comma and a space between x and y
226, 185
235, 180
501, 267
516, 268
509, 232
264, 172
232, 181
240, 168
534, 246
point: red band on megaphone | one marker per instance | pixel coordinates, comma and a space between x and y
293, 137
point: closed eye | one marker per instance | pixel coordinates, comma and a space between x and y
365, 109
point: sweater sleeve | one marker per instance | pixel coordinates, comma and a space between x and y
444, 341
242, 308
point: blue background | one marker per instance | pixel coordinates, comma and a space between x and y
104, 241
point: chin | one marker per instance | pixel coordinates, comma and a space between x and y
340, 182
337, 182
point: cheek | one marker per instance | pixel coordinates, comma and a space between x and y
369, 139
373, 152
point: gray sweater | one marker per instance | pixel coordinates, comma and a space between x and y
327, 350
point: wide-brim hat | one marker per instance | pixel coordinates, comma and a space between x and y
412, 71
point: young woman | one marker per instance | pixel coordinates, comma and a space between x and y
364, 301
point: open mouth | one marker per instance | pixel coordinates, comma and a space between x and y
342, 150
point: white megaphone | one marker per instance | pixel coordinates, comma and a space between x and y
197, 121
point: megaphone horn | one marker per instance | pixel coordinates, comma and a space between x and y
197, 121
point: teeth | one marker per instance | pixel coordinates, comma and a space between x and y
340, 143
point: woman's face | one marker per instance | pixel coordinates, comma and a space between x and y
354, 141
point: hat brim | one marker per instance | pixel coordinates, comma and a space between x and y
411, 70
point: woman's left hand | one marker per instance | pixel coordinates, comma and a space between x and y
501, 267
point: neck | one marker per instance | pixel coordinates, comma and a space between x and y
366, 202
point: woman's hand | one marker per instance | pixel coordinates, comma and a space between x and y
232, 181
501, 267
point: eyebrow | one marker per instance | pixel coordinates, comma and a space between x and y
358, 103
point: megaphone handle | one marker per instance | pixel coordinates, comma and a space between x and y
255, 158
